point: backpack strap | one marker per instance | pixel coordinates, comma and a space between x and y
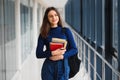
64, 30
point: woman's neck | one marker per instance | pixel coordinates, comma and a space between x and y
54, 26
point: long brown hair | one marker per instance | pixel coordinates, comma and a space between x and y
46, 25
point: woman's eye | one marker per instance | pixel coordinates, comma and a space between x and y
56, 15
53, 15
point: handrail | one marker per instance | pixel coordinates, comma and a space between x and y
95, 52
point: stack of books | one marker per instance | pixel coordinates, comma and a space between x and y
58, 43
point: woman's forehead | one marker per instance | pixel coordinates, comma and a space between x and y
52, 12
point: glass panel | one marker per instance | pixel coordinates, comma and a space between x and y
108, 72
92, 20
87, 23
98, 21
83, 51
119, 35
86, 51
91, 73
9, 33
92, 58
115, 65
98, 78
38, 17
76, 14
99, 66
26, 29
84, 13
86, 64
2, 57
68, 13
31, 28
115, 24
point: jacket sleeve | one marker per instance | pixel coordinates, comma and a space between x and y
40, 52
71, 48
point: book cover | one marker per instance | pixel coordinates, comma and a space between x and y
57, 43
59, 40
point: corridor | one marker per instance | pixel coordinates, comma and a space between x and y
94, 24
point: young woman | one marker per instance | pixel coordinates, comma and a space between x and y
55, 66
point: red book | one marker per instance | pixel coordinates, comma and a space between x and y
55, 45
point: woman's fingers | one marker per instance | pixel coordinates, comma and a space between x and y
58, 51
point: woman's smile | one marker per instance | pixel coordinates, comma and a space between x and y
53, 18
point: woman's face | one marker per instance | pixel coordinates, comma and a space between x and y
53, 18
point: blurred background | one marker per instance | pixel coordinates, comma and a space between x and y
94, 24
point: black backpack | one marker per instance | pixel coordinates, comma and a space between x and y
74, 63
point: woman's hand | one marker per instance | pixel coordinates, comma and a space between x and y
57, 54
60, 51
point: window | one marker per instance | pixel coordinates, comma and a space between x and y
26, 29
115, 25
99, 10
7, 39
92, 21
2, 57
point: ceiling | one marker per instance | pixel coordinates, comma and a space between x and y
55, 3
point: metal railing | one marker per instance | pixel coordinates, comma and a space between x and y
96, 65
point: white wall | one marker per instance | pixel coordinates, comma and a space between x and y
30, 69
